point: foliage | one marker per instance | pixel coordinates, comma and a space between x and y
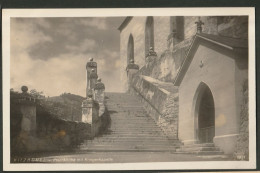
36, 94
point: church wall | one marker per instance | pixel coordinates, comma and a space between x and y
135, 27
161, 32
171, 55
218, 72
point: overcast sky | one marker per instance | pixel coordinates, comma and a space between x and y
50, 54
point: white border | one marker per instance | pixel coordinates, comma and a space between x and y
8, 13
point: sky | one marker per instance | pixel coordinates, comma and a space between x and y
50, 54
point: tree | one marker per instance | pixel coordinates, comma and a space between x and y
36, 94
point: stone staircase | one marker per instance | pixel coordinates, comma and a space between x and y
131, 129
201, 149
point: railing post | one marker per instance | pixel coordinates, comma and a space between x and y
92, 80
151, 56
90, 109
91, 65
131, 69
99, 95
28, 110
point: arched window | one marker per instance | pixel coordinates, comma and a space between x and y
149, 34
130, 49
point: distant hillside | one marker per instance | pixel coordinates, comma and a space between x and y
66, 97
66, 106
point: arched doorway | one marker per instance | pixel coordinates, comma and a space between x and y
130, 49
149, 34
204, 114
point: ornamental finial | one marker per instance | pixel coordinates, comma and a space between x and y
24, 89
199, 24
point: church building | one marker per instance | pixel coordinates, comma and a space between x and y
192, 76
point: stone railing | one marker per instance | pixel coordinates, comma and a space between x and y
150, 61
161, 102
93, 107
160, 99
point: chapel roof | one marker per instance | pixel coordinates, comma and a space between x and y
225, 41
124, 23
232, 44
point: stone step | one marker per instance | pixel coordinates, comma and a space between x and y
131, 118
136, 128
200, 145
199, 149
134, 123
131, 129
139, 126
209, 152
126, 138
130, 144
131, 135
126, 143
132, 138
126, 147
131, 147
127, 150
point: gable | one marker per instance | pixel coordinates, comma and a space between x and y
233, 48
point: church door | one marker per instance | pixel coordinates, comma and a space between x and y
206, 117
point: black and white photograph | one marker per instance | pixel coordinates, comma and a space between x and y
124, 89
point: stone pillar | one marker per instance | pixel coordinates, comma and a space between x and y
90, 65
131, 69
90, 109
151, 56
28, 110
92, 81
99, 96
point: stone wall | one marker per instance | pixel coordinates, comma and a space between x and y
161, 32
166, 66
242, 151
233, 26
136, 28
160, 100
50, 132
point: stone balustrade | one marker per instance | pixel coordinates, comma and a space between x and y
90, 114
99, 95
160, 100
